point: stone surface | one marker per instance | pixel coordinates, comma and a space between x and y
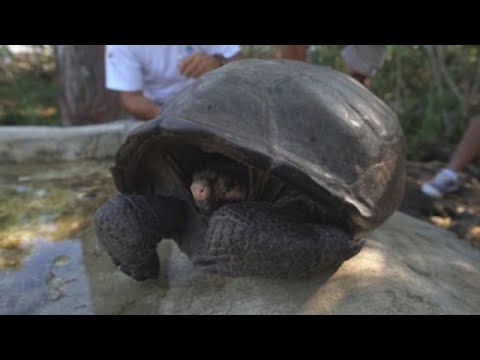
20, 144
50, 263
407, 267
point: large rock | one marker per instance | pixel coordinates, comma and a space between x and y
407, 267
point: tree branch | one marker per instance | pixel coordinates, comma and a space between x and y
448, 79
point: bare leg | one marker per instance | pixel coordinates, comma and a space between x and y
292, 52
468, 148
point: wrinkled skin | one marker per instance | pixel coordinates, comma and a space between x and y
217, 185
130, 227
240, 238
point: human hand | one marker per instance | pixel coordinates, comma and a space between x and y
197, 64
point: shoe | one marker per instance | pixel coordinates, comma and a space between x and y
445, 181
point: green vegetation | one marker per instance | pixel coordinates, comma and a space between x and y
28, 91
434, 91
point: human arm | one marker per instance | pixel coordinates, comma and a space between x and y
124, 74
138, 105
199, 63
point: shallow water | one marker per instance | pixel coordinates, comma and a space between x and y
49, 257
47, 203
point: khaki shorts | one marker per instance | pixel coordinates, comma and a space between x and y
364, 59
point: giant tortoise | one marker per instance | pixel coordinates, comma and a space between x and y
270, 168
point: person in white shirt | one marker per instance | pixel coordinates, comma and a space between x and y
146, 75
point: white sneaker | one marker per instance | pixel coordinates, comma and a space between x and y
445, 181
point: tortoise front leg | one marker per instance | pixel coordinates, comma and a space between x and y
259, 239
129, 227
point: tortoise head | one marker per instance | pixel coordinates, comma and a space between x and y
218, 182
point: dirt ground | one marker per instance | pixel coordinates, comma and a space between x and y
458, 212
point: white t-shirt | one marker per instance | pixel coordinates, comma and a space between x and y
154, 68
